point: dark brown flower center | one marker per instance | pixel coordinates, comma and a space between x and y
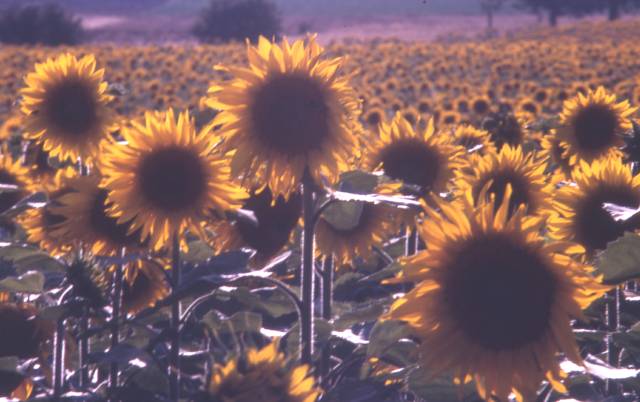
71, 108
109, 227
499, 292
594, 227
290, 114
172, 179
411, 161
480, 106
595, 128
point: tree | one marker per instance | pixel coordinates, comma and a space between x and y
616, 7
490, 7
557, 8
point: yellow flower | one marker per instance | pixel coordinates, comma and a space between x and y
65, 106
166, 178
493, 300
579, 214
85, 220
592, 125
288, 112
489, 176
144, 285
422, 159
277, 218
262, 375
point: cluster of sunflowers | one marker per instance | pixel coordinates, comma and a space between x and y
457, 204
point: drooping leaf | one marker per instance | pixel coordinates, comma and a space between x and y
620, 261
30, 282
384, 334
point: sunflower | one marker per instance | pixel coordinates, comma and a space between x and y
554, 151
491, 174
288, 112
42, 225
14, 174
493, 300
167, 178
593, 125
261, 375
579, 214
505, 128
23, 333
65, 106
474, 140
422, 159
85, 219
15, 386
145, 284
376, 223
276, 220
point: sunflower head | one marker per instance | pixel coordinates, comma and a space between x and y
578, 210
422, 159
89, 282
145, 284
474, 140
262, 375
276, 219
593, 125
42, 225
505, 128
85, 219
494, 300
346, 239
490, 175
290, 111
167, 178
65, 106
23, 333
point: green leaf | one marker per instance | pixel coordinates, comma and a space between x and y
358, 182
343, 215
31, 282
359, 313
620, 261
27, 258
322, 334
242, 321
384, 334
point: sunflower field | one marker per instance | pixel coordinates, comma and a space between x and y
280, 221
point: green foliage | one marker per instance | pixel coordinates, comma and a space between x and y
48, 25
620, 262
226, 20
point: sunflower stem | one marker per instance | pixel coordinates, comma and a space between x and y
84, 349
174, 358
613, 322
115, 322
58, 359
411, 243
327, 304
306, 275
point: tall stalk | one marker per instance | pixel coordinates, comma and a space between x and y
115, 322
327, 313
58, 358
306, 274
411, 242
613, 322
174, 357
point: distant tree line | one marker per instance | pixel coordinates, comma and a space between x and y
554, 9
